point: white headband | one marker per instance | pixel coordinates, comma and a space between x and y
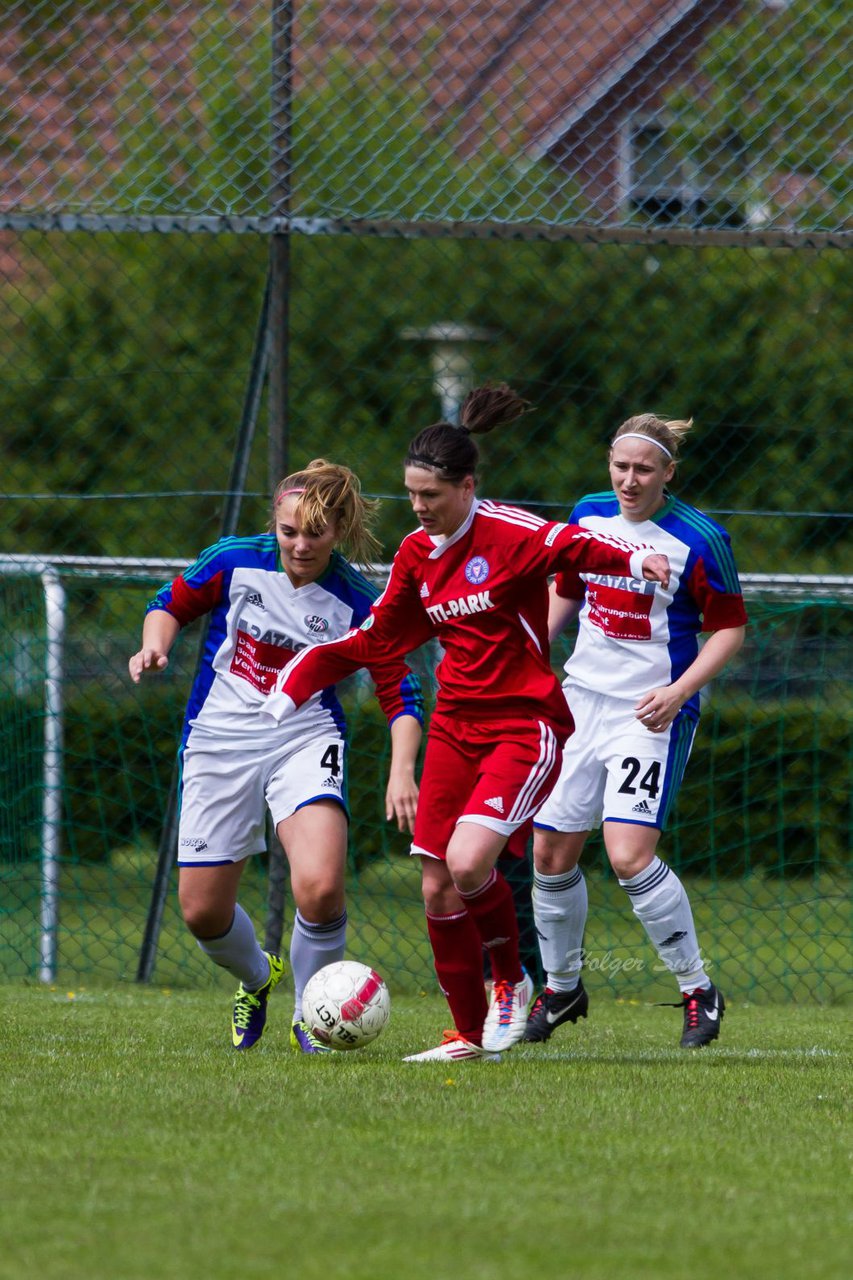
638, 435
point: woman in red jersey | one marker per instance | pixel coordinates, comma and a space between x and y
474, 576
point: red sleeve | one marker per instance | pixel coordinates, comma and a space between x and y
191, 602
188, 600
570, 586
570, 549
720, 609
395, 626
398, 689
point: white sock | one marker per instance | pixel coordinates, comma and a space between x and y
239, 952
559, 910
312, 947
662, 907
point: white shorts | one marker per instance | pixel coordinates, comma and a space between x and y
226, 791
614, 769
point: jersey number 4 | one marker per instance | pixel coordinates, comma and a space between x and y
650, 781
331, 759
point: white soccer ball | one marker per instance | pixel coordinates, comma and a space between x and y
346, 1005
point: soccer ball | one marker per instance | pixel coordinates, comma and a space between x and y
346, 1005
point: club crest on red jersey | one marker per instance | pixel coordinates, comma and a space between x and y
477, 570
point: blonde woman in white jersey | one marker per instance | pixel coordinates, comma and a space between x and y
269, 597
633, 684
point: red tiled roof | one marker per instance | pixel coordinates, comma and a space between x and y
529, 69
520, 71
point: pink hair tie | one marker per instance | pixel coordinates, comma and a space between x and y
285, 492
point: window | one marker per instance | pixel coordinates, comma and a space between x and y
663, 185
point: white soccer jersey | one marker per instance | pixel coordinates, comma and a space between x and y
633, 635
258, 622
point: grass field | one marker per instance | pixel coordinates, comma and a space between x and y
139, 1145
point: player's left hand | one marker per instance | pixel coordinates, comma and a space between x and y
401, 802
657, 710
656, 569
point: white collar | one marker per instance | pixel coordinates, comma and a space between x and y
441, 542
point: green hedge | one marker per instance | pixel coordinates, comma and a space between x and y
21, 777
767, 786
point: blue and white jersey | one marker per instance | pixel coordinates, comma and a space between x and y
633, 635
258, 622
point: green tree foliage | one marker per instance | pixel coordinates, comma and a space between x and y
126, 356
124, 376
771, 92
128, 373
751, 345
363, 147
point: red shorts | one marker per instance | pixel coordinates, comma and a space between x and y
496, 775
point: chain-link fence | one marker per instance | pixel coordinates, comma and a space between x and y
238, 235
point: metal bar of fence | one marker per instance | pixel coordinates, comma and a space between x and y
52, 750
168, 845
281, 179
159, 890
577, 233
54, 605
816, 586
278, 448
249, 419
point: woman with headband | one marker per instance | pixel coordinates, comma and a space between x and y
473, 576
633, 683
269, 597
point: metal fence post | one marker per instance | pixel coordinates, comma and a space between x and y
54, 602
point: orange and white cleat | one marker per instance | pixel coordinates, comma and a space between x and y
454, 1048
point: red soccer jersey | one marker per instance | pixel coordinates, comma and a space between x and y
483, 594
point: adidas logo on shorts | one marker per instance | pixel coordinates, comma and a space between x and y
495, 803
642, 807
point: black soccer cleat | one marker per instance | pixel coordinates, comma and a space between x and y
551, 1009
703, 1013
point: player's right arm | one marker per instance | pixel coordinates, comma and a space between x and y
573, 549
189, 596
159, 632
401, 793
395, 626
